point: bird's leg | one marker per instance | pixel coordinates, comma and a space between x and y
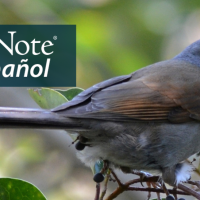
149, 193
165, 188
175, 194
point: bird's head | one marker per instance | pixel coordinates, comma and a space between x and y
190, 54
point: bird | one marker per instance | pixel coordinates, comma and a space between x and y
148, 120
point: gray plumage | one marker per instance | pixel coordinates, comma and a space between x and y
148, 120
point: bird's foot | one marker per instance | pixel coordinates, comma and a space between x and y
155, 181
159, 184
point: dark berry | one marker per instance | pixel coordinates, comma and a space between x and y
98, 178
170, 197
79, 146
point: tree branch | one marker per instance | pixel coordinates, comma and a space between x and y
97, 191
184, 190
189, 191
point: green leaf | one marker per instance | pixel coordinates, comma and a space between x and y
98, 166
70, 93
47, 98
15, 189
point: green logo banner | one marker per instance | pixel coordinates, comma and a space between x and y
37, 55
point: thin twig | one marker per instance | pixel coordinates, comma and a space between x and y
119, 190
195, 169
152, 179
158, 195
116, 178
175, 195
156, 187
105, 184
171, 191
196, 183
131, 182
125, 187
165, 188
149, 192
97, 191
189, 190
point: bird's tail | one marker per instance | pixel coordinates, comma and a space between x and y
35, 118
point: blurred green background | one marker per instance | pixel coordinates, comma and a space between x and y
114, 37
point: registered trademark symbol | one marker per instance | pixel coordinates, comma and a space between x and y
55, 37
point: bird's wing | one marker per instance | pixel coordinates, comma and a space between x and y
85, 95
180, 82
168, 90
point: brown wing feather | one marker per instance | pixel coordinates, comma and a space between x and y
134, 100
180, 82
168, 90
